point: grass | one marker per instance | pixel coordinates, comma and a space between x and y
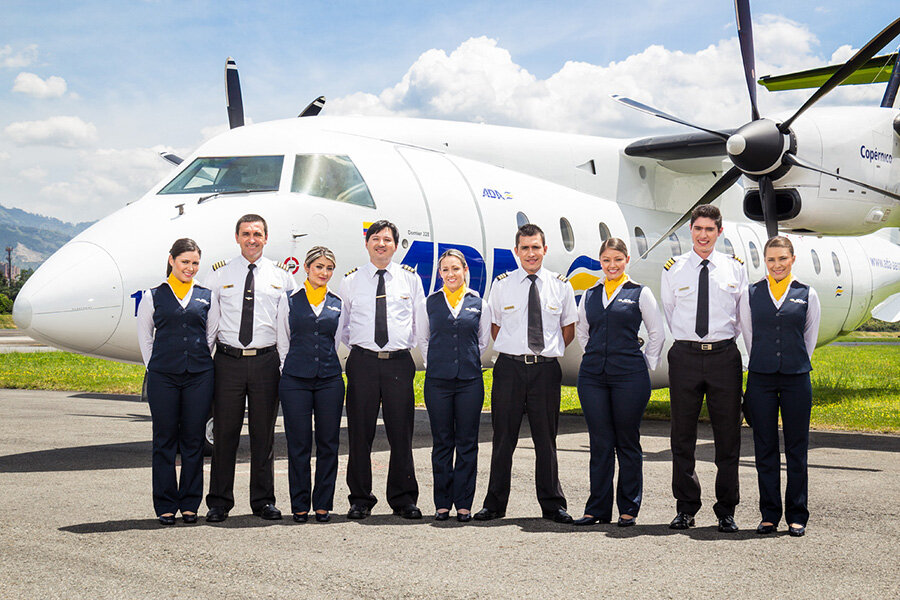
854, 387
6, 322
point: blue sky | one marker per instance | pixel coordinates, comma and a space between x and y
90, 90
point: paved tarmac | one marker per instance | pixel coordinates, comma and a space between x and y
76, 521
12, 340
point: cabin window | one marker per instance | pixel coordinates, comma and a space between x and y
754, 255
725, 246
330, 176
521, 219
568, 236
229, 174
676, 244
640, 240
604, 232
836, 262
815, 260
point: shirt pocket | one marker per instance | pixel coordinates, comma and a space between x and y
683, 291
400, 306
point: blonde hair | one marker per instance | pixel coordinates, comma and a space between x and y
455, 254
319, 252
779, 241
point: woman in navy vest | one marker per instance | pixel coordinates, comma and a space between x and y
176, 333
455, 330
614, 382
308, 332
780, 323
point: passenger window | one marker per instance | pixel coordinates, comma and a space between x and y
568, 236
641, 240
604, 232
754, 255
815, 260
332, 177
837, 264
724, 246
676, 244
231, 174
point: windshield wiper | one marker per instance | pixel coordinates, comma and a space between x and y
203, 199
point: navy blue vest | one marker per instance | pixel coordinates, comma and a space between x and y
453, 342
312, 352
613, 343
179, 344
778, 344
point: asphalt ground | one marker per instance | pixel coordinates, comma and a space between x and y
76, 521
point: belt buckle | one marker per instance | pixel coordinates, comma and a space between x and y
533, 358
384, 355
706, 346
248, 352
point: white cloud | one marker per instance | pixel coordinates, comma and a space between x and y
32, 85
67, 132
16, 60
34, 173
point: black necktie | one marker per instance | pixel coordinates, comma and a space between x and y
702, 327
381, 331
245, 335
535, 322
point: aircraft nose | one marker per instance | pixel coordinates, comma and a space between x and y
74, 300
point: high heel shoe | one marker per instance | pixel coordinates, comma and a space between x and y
323, 517
189, 518
623, 522
167, 519
301, 517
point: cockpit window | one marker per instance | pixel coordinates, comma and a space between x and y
228, 174
332, 177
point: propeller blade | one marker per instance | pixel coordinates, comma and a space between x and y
797, 162
856, 61
745, 37
717, 189
313, 108
767, 199
658, 113
233, 100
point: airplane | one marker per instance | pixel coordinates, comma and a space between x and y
828, 177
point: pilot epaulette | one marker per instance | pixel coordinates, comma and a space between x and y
351, 271
562, 278
737, 258
285, 266
501, 276
669, 264
409, 268
218, 265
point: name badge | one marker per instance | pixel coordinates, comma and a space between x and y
685, 288
626, 300
798, 301
334, 308
470, 309
277, 287
732, 286
510, 307
202, 300
551, 307
230, 285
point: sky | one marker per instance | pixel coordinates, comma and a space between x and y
92, 91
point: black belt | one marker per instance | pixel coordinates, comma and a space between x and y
529, 359
705, 346
242, 352
382, 354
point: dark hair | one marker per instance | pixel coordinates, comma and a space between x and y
779, 241
613, 243
707, 211
383, 224
528, 230
181, 246
251, 218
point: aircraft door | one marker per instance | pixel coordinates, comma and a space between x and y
453, 217
753, 253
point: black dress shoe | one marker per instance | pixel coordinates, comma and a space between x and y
323, 517
216, 515
587, 520
410, 511
727, 525
797, 530
166, 519
463, 517
268, 512
486, 514
442, 516
189, 519
358, 511
682, 521
766, 529
622, 522
558, 516
301, 518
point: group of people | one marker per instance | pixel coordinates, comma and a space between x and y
276, 342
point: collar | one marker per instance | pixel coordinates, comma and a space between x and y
315, 296
178, 288
371, 270
521, 275
454, 298
246, 263
778, 288
694, 259
612, 285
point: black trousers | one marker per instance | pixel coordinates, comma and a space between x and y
179, 406
454, 411
715, 374
518, 389
388, 384
254, 378
302, 400
792, 394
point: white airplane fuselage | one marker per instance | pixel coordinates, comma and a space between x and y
443, 184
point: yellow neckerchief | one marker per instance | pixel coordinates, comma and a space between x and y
611, 285
454, 297
315, 295
180, 289
779, 287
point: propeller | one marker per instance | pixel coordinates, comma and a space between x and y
233, 100
762, 149
313, 108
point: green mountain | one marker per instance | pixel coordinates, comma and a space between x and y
32, 237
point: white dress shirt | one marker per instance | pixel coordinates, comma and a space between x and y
404, 295
810, 330
727, 280
283, 325
650, 315
146, 332
508, 302
423, 327
270, 283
